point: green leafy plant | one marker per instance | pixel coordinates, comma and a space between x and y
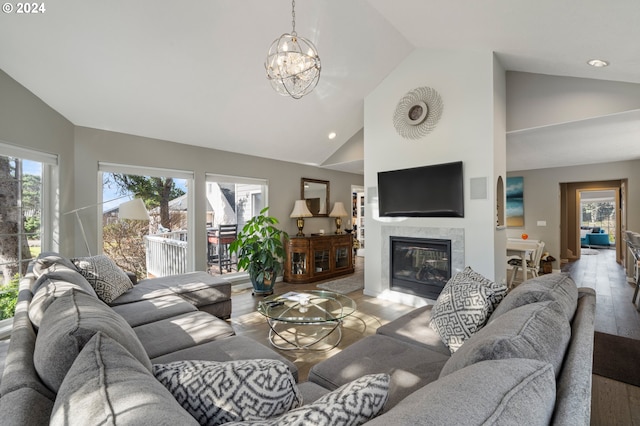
9, 298
259, 247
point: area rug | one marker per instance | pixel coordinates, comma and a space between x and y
616, 357
344, 285
588, 252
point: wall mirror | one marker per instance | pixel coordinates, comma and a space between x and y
316, 193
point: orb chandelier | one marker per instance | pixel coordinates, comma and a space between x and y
293, 64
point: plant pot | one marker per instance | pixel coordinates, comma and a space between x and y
262, 287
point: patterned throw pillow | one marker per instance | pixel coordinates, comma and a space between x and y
219, 392
464, 306
350, 405
106, 278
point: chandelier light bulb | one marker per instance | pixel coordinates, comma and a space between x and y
292, 64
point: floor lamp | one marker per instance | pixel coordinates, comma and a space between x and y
132, 209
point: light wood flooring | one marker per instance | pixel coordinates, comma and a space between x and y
613, 403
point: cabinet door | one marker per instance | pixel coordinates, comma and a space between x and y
296, 268
321, 253
299, 263
342, 252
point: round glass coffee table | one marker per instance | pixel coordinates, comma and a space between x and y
302, 320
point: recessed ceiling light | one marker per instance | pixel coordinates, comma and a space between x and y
598, 63
332, 135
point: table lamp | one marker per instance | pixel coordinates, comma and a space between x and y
338, 212
300, 211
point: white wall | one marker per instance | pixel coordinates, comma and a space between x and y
465, 80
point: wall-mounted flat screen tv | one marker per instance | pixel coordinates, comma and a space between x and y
427, 191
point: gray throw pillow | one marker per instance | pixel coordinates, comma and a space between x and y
463, 307
555, 287
68, 324
498, 392
535, 331
106, 278
220, 392
350, 405
52, 285
107, 385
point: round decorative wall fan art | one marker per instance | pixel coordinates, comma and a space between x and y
417, 113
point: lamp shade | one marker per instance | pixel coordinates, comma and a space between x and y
134, 210
300, 209
338, 210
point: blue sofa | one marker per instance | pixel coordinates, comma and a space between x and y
597, 237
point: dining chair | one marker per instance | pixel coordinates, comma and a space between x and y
532, 264
226, 235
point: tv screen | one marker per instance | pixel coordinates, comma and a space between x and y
427, 191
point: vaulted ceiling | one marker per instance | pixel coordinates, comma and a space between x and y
192, 72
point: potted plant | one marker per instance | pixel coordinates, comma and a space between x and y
260, 251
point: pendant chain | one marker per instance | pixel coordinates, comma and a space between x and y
293, 17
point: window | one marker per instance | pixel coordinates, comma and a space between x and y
231, 200
27, 182
234, 200
160, 246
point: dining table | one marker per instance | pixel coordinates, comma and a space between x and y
523, 249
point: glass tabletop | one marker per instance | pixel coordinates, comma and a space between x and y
307, 307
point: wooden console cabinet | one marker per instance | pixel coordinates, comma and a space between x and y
317, 257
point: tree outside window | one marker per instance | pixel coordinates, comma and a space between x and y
20, 230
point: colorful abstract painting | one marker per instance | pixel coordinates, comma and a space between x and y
515, 201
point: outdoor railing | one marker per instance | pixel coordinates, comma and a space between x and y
166, 254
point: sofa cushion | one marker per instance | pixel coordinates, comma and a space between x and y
535, 331
107, 279
148, 311
499, 392
556, 287
220, 392
180, 332
49, 261
463, 307
107, 385
410, 366
68, 324
198, 288
54, 284
352, 404
414, 327
233, 348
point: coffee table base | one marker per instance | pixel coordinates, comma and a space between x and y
292, 338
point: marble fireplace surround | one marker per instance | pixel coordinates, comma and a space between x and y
456, 235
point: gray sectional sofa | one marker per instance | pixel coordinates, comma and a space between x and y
530, 363
158, 320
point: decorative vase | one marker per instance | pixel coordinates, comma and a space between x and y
262, 287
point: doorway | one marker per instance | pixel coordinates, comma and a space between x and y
584, 206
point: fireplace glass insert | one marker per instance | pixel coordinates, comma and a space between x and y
420, 266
